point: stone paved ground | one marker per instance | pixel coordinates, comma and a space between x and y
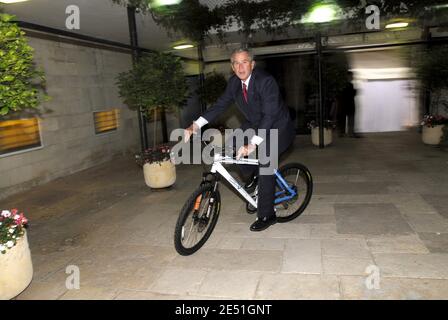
379, 206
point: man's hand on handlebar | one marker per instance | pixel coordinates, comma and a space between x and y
245, 150
193, 129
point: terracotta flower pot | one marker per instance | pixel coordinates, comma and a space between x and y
159, 174
16, 269
432, 135
328, 136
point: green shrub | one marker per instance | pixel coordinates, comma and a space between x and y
21, 84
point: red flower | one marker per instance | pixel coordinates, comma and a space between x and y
21, 220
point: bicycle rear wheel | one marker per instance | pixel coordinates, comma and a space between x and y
197, 220
298, 178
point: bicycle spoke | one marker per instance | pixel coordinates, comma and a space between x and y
199, 224
194, 238
191, 228
297, 177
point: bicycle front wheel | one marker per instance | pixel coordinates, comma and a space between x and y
298, 178
197, 220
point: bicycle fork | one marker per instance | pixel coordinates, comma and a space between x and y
211, 202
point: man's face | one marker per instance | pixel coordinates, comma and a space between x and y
242, 65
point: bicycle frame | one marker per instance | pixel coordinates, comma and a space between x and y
218, 167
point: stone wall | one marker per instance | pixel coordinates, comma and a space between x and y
80, 80
439, 103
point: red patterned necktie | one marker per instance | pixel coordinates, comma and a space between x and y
245, 92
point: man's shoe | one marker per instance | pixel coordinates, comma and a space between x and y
263, 223
250, 186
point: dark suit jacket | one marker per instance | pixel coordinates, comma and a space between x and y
265, 108
346, 100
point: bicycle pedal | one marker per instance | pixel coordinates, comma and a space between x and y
250, 209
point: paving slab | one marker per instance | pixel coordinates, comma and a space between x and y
370, 219
297, 286
355, 248
346, 265
89, 293
435, 242
355, 288
43, 291
329, 231
244, 260
438, 202
352, 188
147, 295
379, 202
396, 244
429, 266
179, 281
427, 223
222, 284
302, 256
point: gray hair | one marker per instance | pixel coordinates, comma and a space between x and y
240, 50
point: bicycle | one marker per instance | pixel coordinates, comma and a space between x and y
200, 212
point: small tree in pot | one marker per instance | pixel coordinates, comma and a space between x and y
157, 81
214, 86
21, 83
432, 71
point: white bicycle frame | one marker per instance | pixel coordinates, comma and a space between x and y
217, 166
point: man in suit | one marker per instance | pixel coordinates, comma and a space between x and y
258, 98
346, 108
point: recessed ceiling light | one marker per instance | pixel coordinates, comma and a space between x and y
12, 1
440, 6
159, 3
183, 46
397, 25
320, 13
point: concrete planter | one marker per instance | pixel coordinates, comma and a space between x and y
328, 136
432, 135
159, 174
16, 269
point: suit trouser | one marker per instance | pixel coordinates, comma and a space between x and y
266, 182
344, 120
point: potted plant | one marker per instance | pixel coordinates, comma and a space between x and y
15, 258
328, 132
433, 74
158, 166
157, 81
21, 83
433, 126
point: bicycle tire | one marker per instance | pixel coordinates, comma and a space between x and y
201, 195
306, 187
